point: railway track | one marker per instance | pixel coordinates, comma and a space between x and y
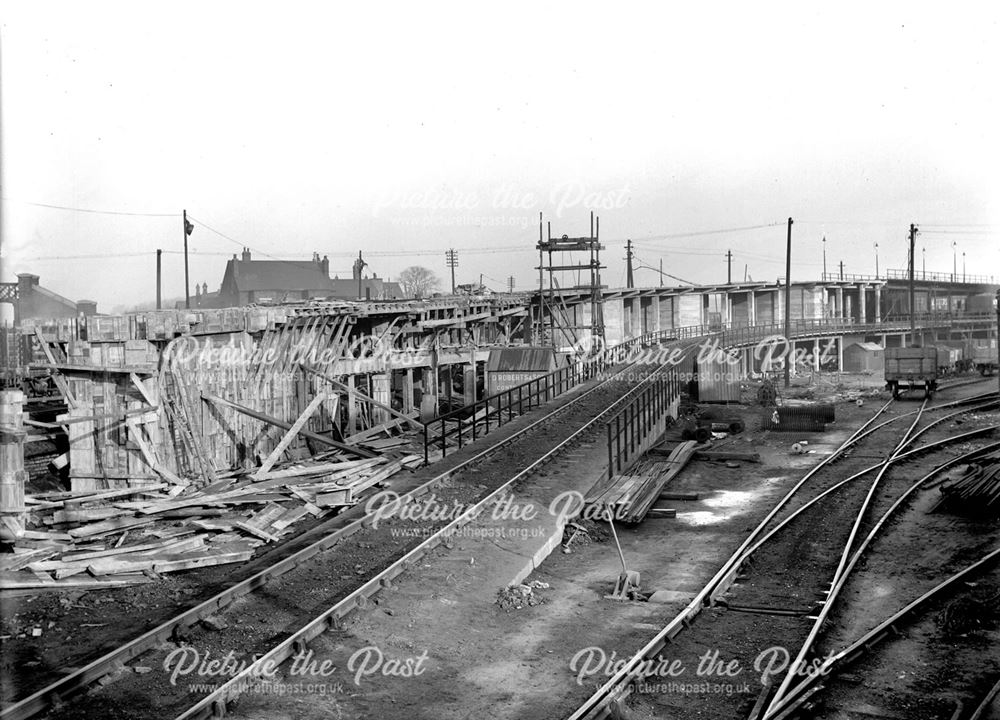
783, 568
285, 594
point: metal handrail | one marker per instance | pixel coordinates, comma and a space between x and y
630, 430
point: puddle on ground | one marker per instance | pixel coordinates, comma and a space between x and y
726, 504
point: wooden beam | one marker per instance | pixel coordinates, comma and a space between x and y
289, 436
360, 452
59, 380
395, 413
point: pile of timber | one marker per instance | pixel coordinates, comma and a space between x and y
92, 539
630, 496
977, 489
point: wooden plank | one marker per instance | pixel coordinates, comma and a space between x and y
289, 436
200, 561
142, 390
323, 468
395, 413
282, 424
20, 581
107, 527
256, 532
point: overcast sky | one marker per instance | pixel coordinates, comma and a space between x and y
405, 130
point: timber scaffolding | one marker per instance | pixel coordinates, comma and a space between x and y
185, 397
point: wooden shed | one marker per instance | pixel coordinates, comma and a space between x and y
864, 357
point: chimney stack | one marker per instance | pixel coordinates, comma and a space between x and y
246, 254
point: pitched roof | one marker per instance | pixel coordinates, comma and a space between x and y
279, 275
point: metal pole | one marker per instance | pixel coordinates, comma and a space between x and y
788, 296
187, 290
913, 319
159, 276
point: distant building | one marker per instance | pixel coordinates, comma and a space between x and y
34, 301
247, 281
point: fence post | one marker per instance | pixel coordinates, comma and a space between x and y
611, 457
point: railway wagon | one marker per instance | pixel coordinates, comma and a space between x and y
984, 359
911, 369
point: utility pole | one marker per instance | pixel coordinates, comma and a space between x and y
913, 317
661, 272
824, 257
954, 261
452, 258
876, 261
729, 267
923, 260
788, 316
510, 284
841, 269
629, 281
188, 228
998, 334
159, 276
963, 266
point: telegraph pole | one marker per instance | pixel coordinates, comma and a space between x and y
729, 267
629, 281
187, 289
510, 284
452, 258
788, 298
841, 269
913, 317
159, 275
876, 261
824, 258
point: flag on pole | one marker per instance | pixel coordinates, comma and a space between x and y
188, 227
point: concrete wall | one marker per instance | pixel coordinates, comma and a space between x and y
689, 310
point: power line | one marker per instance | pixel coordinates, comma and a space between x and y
88, 210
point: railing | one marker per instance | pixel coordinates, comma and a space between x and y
641, 422
490, 411
940, 277
493, 411
851, 277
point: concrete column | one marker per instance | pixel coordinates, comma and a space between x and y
816, 354
878, 303
862, 315
779, 307
840, 303
840, 354
752, 307
470, 383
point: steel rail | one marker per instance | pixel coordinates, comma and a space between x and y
882, 520
42, 699
616, 685
842, 563
214, 704
833, 488
810, 685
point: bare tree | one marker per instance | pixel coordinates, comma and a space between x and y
418, 281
